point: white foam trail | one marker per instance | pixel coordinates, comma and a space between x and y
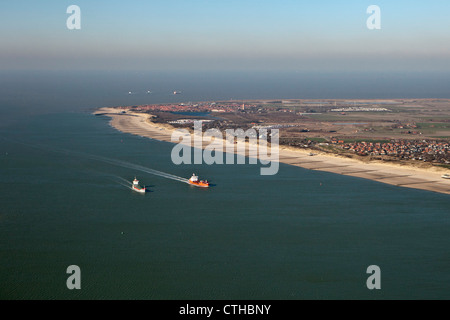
115, 162
124, 185
123, 182
129, 165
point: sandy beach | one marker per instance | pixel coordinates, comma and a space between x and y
395, 174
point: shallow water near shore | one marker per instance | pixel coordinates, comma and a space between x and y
300, 234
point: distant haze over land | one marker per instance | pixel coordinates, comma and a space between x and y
80, 90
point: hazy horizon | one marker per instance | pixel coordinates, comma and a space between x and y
275, 36
219, 50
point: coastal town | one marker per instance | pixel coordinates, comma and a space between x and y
424, 150
194, 107
430, 151
413, 131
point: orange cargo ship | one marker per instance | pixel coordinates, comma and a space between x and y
198, 183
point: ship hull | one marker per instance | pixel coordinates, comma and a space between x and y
199, 184
139, 190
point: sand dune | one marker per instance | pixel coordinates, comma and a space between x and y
394, 174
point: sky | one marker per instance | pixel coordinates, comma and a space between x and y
275, 35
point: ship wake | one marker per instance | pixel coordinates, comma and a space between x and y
115, 162
129, 165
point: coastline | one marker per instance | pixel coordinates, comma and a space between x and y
394, 174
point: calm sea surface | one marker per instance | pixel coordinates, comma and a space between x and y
300, 234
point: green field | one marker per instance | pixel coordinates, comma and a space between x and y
434, 125
318, 140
